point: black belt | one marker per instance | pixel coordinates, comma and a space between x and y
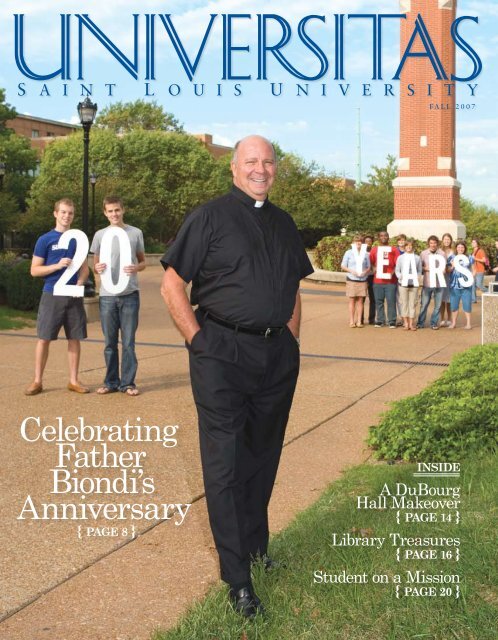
268, 332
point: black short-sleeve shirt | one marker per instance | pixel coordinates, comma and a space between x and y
244, 262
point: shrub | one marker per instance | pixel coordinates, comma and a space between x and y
152, 245
454, 417
7, 260
23, 291
330, 250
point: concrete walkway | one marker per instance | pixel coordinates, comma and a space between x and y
56, 586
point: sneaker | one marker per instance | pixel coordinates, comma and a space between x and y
377, 325
392, 325
434, 327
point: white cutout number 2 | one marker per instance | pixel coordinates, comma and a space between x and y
61, 288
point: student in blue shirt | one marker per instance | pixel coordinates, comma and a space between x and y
49, 262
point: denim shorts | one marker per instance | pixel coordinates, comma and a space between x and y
465, 295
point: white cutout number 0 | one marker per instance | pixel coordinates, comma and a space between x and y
124, 259
61, 288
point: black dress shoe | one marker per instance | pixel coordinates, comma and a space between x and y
246, 602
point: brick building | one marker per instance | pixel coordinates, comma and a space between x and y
216, 150
426, 191
39, 130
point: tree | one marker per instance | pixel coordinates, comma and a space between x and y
480, 220
9, 216
6, 113
122, 117
160, 176
20, 165
172, 174
383, 176
372, 209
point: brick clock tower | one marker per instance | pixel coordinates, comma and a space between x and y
426, 191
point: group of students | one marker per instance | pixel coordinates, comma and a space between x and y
118, 311
381, 273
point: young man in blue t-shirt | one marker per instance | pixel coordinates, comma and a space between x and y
50, 262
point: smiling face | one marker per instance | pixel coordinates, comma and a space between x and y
64, 215
114, 213
447, 241
254, 167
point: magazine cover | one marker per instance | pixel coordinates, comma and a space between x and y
317, 180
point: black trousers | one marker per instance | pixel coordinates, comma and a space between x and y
243, 387
371, 302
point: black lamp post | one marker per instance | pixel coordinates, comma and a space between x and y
86, 111
93, 180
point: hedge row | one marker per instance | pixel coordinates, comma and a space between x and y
456, 416
18, 288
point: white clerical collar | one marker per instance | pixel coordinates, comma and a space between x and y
259, 203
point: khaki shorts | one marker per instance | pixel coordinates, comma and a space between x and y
55, 312
356, 289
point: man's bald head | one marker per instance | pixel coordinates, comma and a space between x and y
242, 141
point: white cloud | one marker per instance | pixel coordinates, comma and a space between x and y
227, 133
481, 8
484, 125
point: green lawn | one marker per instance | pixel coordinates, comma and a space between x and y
298, 608
15, 319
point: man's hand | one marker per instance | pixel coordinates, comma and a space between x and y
63, 263
294, 323
175, 297
131, 268
100, 267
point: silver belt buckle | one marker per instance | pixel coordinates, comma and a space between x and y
268, 332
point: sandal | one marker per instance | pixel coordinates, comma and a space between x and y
132, 391
102, 391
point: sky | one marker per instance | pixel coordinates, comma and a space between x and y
320, 128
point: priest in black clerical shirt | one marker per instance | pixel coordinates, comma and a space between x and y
245, 259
